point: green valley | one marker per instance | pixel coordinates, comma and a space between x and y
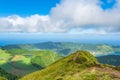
23, 59
20, 62
64, 48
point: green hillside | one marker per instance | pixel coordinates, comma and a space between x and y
80, 65
109, 59
24, 59
20, 62
6, 76
65, 48
45, 58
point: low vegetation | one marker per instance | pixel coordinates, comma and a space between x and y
44, 59
4, 75
109, 59
80, 65
20, 62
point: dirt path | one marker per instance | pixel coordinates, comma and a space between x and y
76, 56
112, 72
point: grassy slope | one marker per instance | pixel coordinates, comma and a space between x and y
45, 58
78, 66
4, 57
18, 61
2, 78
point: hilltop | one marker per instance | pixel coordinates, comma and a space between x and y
80, 65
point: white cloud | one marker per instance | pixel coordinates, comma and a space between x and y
16, 23
87, 14
69, 15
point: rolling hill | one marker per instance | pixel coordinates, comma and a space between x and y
80, 65
20, 62
23, 59
65, 48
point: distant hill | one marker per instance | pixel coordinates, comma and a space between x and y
109, 59
65, 48
80, 65
23, 59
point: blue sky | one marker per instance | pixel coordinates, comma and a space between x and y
60, 16
108, 4
30, 7
28, 19
26, 7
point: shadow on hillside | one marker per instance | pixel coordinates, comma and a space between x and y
19, 68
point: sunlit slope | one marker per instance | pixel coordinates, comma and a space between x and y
20, 62
80, 65
45, 58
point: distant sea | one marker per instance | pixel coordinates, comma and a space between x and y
31, 38
32, 41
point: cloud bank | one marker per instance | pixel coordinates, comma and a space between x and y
72, 16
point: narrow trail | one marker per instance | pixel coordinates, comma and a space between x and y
76, 56
52, 57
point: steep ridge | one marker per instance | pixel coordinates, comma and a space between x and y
80, 65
